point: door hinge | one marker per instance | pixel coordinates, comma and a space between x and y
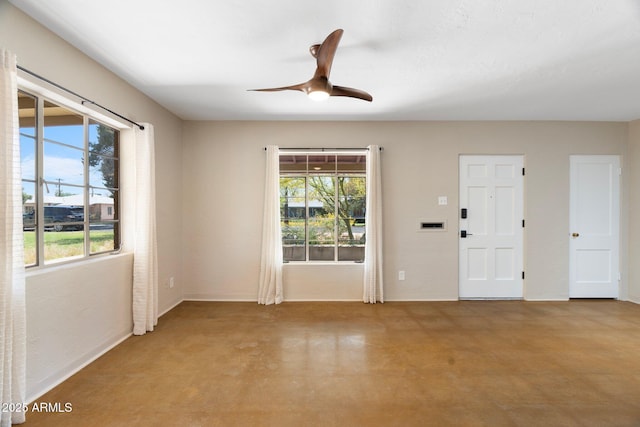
523, 275
523, 223
522, 171
620, 171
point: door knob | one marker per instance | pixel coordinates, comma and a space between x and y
575, 235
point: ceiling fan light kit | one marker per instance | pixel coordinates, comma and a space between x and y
319, 87
318, 95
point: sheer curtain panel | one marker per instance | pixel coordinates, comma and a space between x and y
145, 261
373, 285
270, 290
12, 278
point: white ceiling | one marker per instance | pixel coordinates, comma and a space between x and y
420, 59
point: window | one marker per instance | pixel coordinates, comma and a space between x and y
322, 206
70, 188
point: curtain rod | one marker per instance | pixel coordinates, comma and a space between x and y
324, 149
79, 96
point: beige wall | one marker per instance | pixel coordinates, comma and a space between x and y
223, 193
42, 52
211, 174
77, 311
73, 316
634, 211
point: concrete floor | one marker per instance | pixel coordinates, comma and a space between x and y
471, 363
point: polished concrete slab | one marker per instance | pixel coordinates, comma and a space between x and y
463, 363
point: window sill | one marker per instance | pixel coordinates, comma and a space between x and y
316, 263
75, 263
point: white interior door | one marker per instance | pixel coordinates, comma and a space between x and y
491, 235
594, 226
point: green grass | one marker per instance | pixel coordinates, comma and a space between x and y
66, 244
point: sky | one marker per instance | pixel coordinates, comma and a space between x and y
61, 162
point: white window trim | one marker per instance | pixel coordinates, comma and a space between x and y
311, 152
27, 84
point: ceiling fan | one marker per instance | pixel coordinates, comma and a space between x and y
319, 87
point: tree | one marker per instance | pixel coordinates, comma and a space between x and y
101, 154
59, 192
351, 197
292, 189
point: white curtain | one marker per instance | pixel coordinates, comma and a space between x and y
12, 278
270, 290
145, 261
373, 285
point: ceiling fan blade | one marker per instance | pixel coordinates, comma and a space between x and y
351, 92
319, 86
299, 87
326, 52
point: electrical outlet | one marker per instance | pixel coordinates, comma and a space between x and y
401, 275
442, 200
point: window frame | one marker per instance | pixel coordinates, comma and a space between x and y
90, 117
306, 175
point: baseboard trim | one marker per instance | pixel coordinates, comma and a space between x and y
171, 308
423, 300
59, 380
221, 300
321, 300
318, 300
74, 370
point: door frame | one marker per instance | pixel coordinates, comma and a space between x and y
616, 214
522, 252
